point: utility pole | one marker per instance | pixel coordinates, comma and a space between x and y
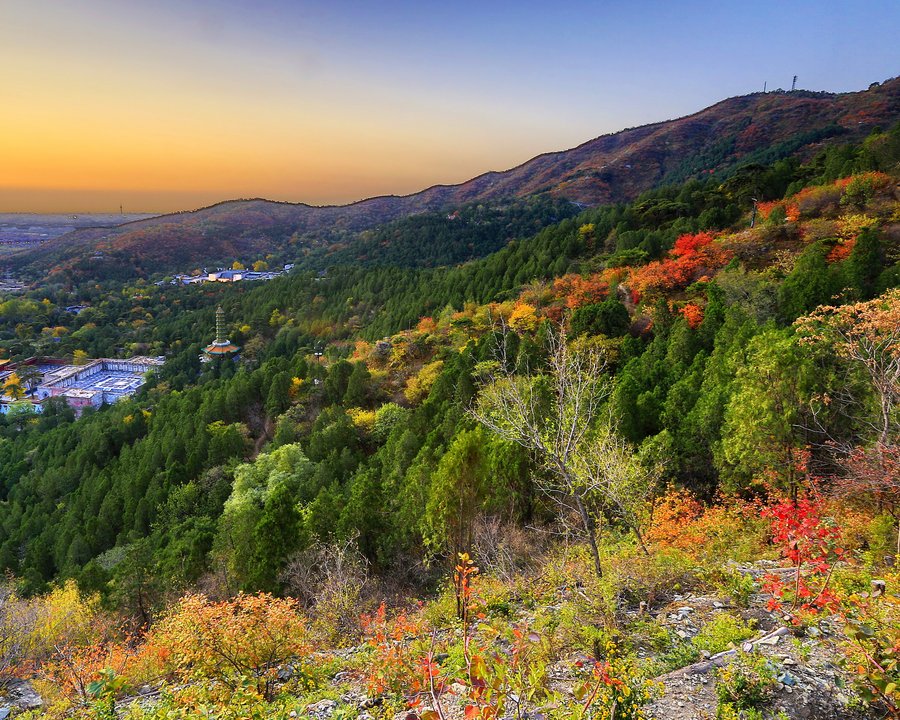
765, 83
794, 84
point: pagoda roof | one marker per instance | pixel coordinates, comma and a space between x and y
221, 349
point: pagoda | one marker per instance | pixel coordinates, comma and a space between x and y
221, 346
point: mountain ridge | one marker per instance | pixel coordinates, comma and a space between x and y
610, 168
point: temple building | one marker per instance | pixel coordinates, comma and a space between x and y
221, 346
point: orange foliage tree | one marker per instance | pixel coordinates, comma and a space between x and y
579, 290
693, 313
867, 336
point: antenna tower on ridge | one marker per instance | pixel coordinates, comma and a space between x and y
794, 84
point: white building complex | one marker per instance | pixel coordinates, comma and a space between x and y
90, 385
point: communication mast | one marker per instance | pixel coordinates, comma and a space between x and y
794, 84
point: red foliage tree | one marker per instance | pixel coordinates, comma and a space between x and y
693, 258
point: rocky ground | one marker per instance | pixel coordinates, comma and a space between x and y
810, 685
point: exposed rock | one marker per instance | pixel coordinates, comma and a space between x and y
321, 710
20, 694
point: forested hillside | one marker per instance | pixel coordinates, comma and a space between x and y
632, 404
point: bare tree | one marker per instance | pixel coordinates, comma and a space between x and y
331, 579
556, 415
866, 336
18, 619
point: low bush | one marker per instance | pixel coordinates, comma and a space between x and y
722, 632
746, 682
239, 642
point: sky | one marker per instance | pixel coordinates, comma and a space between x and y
162, 105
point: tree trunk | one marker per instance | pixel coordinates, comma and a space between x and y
640, 539
588, 523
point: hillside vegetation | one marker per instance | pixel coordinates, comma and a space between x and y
601, 456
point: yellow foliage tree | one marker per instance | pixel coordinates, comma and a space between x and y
65, 616
296, 385
260, 266
12, 387
419, 385
363, 419
237, 265
523, 318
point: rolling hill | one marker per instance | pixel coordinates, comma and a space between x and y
761, 127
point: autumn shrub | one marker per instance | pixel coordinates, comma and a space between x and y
854, 520
66, 616
210, 700
728, 529
506, 672
881, 539
236, 642
819, 229
693, 258
739, 586
18, 618
579, 290
872, 650
362, 419
850, 225
395, 647
76, 673
693, 313
729, 711
615, 688
38, 630
817, 200
419, 385
860, 189
810, 542
524, 317
764, 209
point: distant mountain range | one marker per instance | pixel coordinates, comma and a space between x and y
761, 127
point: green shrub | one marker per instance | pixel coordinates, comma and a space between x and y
679, 655
727, 711
746, 682
881, 536
739, 586
720, 633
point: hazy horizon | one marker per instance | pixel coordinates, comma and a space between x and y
179, 105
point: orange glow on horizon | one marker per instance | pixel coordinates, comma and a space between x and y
176, 104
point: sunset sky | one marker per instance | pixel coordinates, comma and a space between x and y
172, 104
